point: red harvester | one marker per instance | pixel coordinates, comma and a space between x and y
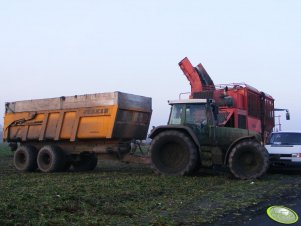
240, 105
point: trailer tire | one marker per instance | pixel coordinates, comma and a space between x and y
25, 158
248, 160
173, 153
51, 159
86, 162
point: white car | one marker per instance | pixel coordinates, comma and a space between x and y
285, 148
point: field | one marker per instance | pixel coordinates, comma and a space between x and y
122, 194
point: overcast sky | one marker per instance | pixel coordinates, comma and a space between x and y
68, 47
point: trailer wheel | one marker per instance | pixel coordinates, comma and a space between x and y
173, 153
85, 162
51, 159
25, 158
248, 160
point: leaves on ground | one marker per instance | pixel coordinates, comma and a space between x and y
123, 194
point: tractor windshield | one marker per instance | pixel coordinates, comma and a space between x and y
176, 116
188, 113
196, 114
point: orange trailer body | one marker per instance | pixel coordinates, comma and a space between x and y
94, 122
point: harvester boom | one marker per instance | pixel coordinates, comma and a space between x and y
197, 76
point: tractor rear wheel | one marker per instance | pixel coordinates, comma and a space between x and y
248, 160
25, 158
51, 159
173, 153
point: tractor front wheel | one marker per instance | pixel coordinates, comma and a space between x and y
248, 160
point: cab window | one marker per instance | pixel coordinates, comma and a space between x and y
196, 114
176, 115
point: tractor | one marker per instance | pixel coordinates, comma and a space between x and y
224, 125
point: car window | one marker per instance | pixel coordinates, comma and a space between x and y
286, 138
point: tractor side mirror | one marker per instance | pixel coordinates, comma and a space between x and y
288, 116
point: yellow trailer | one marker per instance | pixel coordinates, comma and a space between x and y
53, 134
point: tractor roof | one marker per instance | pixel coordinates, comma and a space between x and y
189, 101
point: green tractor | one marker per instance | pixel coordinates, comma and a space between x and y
192, 140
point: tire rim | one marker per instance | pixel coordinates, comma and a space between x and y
247, 162
173, 157
21, 158
45, 160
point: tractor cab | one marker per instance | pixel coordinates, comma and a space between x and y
192, 112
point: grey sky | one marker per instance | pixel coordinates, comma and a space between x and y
59, 48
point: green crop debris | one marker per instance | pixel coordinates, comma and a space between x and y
123, 194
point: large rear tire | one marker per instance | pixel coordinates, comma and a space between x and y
173, 153
25, 158
85, 162
51, 159
248, 160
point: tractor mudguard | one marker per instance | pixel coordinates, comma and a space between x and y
184, 129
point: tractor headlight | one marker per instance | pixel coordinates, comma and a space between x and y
297, 155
